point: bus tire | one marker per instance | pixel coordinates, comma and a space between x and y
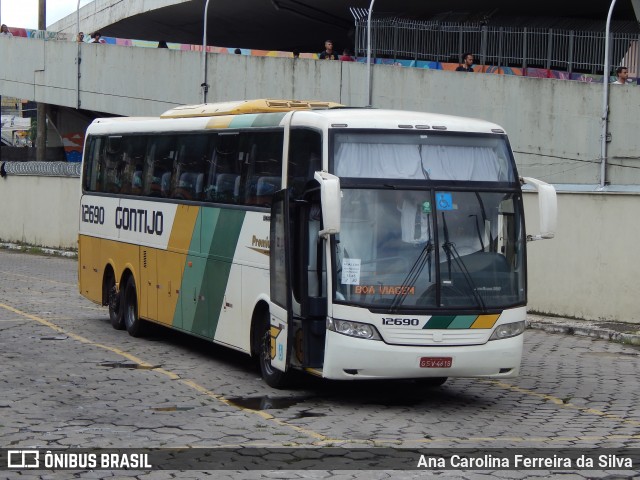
274, 378
132, 322
114, 300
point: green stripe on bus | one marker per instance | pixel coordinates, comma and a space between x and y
193, 277
269, 119
246, 120
463, 321
219, 246
439, 321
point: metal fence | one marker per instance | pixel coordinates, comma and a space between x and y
570, 50
42, 169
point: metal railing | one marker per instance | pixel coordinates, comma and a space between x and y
570, 50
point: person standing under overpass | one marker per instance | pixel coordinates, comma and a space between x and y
328, 53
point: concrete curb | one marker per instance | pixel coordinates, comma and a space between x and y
39, 250
626, 333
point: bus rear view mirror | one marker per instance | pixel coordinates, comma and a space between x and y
330, 198
548, 206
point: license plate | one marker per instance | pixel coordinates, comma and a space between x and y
436, 362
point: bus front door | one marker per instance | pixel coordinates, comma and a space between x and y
280, 280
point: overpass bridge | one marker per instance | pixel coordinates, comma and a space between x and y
554, 125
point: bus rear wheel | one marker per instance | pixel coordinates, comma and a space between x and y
134, 324
274, 378
115, 304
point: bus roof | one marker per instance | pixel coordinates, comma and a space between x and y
373, 118
242, 107
272, 113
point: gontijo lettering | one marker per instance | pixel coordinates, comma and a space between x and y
139, 220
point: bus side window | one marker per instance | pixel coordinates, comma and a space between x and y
95, 162
113, 165
159, 166
190, 167
133, 155
263, 173
223, 170
305, 158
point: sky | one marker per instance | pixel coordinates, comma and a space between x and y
24, 13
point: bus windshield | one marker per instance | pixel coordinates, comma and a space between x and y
430, 249
420, 155
409, 242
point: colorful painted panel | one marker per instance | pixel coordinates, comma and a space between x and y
451, 322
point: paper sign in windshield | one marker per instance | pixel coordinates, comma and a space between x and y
351, 271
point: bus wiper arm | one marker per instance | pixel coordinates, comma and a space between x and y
412, 276
450, 249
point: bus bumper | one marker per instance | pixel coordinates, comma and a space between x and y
349, 358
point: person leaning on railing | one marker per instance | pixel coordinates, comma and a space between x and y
467, 62
328, 53
4, 31
97, 38
622, 75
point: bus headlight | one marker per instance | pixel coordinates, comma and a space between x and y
353, 329
507, 330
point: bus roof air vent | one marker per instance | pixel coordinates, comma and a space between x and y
242, 107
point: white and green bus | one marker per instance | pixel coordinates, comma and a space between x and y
348, 243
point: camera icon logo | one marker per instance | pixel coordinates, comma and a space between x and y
23, 459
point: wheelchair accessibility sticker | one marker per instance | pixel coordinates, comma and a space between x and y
444, 201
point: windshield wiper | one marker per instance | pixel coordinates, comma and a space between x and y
412, 276
451, 251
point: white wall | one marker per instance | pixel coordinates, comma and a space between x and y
590, 269
39, 211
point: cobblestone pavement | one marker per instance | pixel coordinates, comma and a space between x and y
70, 380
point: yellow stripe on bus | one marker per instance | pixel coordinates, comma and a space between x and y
219, 122
485, 321
183, 225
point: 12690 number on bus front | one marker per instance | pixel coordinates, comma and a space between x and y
436, 362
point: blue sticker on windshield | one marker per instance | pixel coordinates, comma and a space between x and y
444, 201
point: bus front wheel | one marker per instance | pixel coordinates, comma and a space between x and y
134, 324
274, 378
